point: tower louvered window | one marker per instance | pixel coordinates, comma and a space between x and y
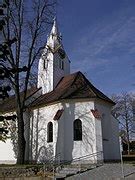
62, 65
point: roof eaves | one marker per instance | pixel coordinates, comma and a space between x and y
98, 92
33, 93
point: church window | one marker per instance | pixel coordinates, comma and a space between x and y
50, 132
56, 63
45, 64
62, 65
77, 127
45, 60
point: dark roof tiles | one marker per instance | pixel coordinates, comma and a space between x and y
9, 104
73, 86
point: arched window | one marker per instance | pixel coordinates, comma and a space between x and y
77, 130
50, 132
44, 64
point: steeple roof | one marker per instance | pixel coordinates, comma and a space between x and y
54, 30
53, 40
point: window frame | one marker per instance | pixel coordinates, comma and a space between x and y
61, 63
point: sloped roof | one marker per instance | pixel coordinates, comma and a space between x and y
73, 86
9, 104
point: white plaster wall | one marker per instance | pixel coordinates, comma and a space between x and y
45, 76
99, 142
66, 65
63, 142
6, 152
7, 155
59, 73
79, 110
90, 126
109, 131
115, 143
44, 116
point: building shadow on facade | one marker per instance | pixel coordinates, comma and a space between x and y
64, 143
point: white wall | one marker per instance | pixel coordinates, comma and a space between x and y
99, 141
79, 110
63, 142
58, 73
45, 76
115, 143
110, 132
7, 155
42, 117
6, 152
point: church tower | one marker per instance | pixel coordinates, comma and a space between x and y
54, 63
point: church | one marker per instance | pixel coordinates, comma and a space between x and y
67, 117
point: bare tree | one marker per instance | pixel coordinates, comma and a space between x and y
123, 112
27, 22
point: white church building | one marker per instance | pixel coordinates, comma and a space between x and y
67, 117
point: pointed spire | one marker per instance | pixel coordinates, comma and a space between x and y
54, 40
54, 30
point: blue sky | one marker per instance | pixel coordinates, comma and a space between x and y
99, 38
